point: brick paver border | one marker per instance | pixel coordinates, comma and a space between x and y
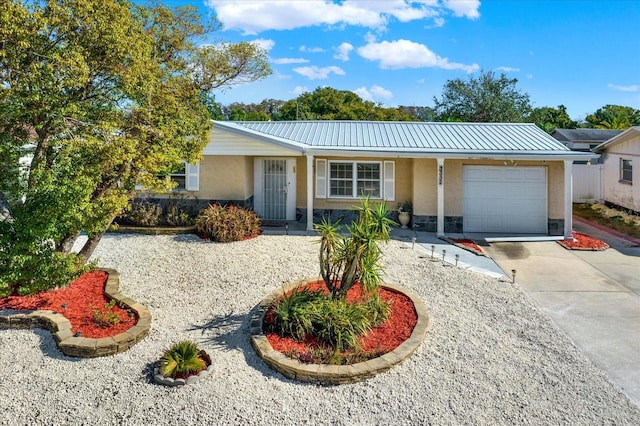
86, 347
334, 374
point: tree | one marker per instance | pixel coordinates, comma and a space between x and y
102, 95
549, 119
613, 117
485, 99
326, 103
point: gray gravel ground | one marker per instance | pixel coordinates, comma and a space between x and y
490, 357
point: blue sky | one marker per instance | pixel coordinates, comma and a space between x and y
583, 54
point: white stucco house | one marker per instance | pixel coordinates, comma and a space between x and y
511, 179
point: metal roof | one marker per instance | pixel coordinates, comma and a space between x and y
405, 137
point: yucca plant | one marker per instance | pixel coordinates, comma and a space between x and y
346, 260
181, 359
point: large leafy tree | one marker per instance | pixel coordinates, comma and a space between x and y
483, 99
549, 119
326, 103
101, 95
616, 117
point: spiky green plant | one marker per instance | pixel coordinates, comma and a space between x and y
181, 359
346, 260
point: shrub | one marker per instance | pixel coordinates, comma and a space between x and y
106, 317
145, 213
335, 322
182, 359
227, 223
177, 216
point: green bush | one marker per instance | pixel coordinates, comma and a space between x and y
177, 216
181, 359
227, 223
145, 213
335, 322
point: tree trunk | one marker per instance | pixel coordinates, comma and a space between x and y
67, 242
89, 247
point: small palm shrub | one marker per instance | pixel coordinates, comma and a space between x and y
182, 359
227, 223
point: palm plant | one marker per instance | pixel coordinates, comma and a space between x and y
346, 260
182, 358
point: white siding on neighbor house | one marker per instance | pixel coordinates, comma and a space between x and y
587, 182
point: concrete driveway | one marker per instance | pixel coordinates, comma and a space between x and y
593, 296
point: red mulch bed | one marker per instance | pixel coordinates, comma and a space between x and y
382, 339
584, 242
83, 297
468, 244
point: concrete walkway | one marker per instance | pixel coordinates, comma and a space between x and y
593, 296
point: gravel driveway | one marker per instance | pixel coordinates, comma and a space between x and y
490, 357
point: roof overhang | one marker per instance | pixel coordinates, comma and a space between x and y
618, 138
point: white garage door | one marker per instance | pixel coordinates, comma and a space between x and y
505, 199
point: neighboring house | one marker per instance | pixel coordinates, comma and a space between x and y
584, 140
461, 177
621, 155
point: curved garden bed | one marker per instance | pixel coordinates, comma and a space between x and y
78, 346
334, 374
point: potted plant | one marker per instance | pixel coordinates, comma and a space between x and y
404, 213
183, 363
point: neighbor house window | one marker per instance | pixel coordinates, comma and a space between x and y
352, 179
626, 171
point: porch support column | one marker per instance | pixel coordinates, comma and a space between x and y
568, 199
309, 192
440, 198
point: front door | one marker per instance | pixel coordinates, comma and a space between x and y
274, 189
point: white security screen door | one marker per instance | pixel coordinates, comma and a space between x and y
275, 189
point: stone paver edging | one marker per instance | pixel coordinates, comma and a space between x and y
168, 381
335, 374
83, 346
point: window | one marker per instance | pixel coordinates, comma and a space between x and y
354, 179
180, 177
626, 170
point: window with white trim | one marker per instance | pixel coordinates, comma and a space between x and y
353, 179
180, 178
626, 171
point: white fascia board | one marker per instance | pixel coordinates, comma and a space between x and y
475, 155
618, 138
285, 143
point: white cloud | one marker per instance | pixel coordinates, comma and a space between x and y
342, 51
420, 81
289, 61
265, 44
381, 92
363, 93
252, 17
373, 93
466, 8
508, 69
631, 88
299, 90
407, 54
316, 73
311, 49
529, 76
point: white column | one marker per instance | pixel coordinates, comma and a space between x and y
568, 199
310, 193
440, 201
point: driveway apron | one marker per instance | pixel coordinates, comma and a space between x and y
593, 296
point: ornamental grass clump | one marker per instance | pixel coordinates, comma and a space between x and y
182, 359
227, 223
